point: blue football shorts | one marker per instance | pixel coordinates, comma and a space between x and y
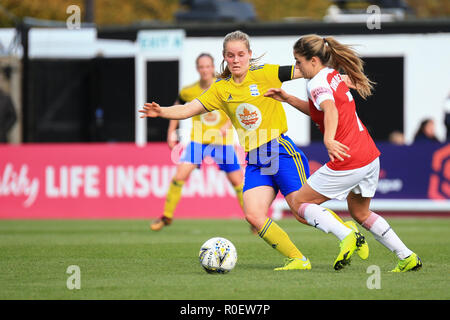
223, 155
279, 164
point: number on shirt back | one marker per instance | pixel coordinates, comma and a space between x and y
350, 98
360, 126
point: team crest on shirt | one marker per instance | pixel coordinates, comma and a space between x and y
210, 118
254, 90
248, 116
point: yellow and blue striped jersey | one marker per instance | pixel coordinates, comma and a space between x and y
257, 119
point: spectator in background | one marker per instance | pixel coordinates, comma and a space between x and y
7, 116
447, 117
397, 137
426, 132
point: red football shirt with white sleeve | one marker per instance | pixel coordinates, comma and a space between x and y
328, 85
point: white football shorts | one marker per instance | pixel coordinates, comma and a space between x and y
338, 184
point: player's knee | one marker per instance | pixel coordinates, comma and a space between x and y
182, 178
235, 178
236, 183
255, 219
182, 175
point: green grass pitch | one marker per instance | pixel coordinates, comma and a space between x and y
123, 259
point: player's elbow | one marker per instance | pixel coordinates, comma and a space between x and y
192, 108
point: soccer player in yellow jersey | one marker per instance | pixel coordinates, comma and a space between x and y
209, 137
274, 162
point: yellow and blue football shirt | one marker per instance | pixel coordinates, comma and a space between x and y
257, 119
272, 159
206, 127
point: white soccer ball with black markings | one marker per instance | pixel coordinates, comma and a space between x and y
218, 255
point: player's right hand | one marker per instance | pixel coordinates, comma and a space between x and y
277, 94
150, 110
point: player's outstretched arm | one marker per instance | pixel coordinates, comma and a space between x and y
176, 112
282, 96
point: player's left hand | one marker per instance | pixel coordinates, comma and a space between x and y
348, 81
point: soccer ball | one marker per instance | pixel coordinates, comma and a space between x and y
218, 255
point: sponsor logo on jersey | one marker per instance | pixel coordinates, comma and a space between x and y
317, 92
248, 116
254, 90
210, 118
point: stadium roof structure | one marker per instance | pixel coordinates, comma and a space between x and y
214, 29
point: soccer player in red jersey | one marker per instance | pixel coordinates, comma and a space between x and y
353, 170
274, 163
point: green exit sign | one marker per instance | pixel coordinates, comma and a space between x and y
164, 41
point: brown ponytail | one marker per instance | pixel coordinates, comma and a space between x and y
338, 56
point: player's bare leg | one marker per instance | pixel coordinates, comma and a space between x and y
236, 179
382, 231
257, 202
183, 172
304, 204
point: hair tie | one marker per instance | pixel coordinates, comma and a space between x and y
325, 41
